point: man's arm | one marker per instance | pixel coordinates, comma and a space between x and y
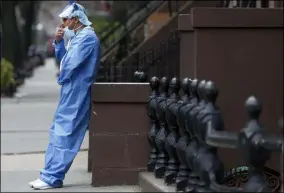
81, 49
59, 49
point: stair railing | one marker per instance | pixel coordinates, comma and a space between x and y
111, 30
120, 48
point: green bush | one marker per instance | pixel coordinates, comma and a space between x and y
100, 23
7, 74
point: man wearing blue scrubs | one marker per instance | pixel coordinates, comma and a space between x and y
79, 62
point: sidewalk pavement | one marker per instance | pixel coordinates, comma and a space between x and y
18, 170
25, 123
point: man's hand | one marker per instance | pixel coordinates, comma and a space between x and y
59, 34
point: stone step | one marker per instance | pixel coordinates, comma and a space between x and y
148, 183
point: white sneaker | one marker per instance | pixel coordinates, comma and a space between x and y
33, 182
40, 185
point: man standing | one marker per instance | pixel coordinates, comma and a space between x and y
79, 62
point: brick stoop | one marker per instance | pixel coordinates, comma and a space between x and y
148, 183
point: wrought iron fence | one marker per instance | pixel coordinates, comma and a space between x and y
121, 47
163, 59
111, 33
187, 131
251, 3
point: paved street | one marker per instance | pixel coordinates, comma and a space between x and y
25, 122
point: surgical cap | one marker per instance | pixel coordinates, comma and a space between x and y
76, 10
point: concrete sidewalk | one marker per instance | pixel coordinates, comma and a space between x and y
18, 170
25, 127
25, 123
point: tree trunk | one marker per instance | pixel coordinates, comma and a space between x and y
28, 12
11, 40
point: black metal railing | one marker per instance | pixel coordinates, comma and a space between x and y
162, 59
123, 45
186, 132
251, 3
155, 60
110, 32
140, 20
106, 29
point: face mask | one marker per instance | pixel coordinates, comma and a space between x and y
68, 34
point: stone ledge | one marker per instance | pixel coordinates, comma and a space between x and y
148, 183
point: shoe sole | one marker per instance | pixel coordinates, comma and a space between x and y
31, 184
45, 188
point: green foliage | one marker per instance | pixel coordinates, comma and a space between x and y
7, 74
99, 23
102, 25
